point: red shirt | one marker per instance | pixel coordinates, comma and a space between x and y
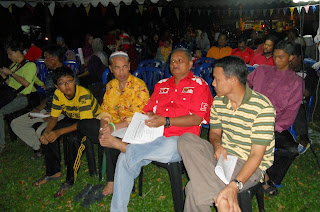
191, 96
33, 54
247, 55
262, 60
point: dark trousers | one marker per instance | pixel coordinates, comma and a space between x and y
301, 124
53, 155
90, 128
286, 152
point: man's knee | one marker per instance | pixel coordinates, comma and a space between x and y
186, 140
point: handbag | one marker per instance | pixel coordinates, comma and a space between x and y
7, 93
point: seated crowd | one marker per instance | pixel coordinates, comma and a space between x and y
249, 117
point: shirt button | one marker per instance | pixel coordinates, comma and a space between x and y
176, 90
167, 109
171, 101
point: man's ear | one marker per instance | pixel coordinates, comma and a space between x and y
110, 69
190, 64
57, 87
291, 57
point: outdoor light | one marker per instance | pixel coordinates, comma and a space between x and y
46, 38
297, 1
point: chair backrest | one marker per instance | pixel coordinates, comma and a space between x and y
150, 75
105, 75
72, 64
251, 68
42, 71
204, 71
309, 61
203, 60
150, 63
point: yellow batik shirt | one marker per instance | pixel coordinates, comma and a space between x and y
119, 105
82, 106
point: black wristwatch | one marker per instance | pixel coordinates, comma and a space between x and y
167, 125
238, 183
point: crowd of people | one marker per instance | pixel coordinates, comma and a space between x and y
249, 117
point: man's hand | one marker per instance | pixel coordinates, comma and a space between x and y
50, 137
218, 150
6, 71
106, 130
228, 199
155, 120
47, 118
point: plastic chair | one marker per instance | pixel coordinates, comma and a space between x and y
72, 64
175, 171
309, 61
245, 198
203, 60
204, 70
150, 75
251, 68
150, 63
105, 75
42, 70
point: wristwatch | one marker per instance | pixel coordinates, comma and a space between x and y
167, 125
238, 183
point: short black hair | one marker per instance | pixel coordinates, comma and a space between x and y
14, 46
55, 51
233, 66
223, 33
286, 46
62, 72
242, 39
298, 50
273, 38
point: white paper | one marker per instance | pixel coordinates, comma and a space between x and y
139, 133
224, 168
39, 115
120, 132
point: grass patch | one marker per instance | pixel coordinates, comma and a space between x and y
299, 191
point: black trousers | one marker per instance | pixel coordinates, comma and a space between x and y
52, 151
286, 152
301, 124
90, 128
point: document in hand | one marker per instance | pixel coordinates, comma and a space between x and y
224, 168
139, 133
39, 115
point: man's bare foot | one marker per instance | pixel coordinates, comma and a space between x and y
107, 140
45, 179
108, 189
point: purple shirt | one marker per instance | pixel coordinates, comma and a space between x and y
283, 88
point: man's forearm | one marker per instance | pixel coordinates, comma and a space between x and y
51, 124
69, 129
186, 121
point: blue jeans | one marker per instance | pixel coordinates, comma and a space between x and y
129, 164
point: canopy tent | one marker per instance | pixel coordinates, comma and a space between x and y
179, 3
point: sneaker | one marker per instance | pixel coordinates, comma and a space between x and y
303, 149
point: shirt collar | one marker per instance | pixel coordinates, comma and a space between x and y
247, 96
189, 76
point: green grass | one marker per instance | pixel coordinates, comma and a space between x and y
299, 192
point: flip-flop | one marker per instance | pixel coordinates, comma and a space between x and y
46, 179
93, 196
83, 193
272, 190
62, 190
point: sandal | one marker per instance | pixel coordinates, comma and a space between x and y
62, 190
271, 189
45, 179
36, 155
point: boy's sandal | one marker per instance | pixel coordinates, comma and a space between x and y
45, 179
62, 190
271, 190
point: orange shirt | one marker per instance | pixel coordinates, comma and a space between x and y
218, 53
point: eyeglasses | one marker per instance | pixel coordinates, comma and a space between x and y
65, 83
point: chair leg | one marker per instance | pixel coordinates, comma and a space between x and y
260, 198
245, 201
175, 170
140, 181
90, 157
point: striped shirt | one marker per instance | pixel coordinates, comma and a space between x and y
251, 123
82, 106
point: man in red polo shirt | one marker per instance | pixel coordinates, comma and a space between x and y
265, 57
180, 103
243, 51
